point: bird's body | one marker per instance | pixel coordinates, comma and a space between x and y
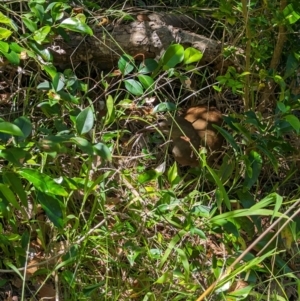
192, 131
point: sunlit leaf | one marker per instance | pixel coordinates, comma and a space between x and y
42, 182
10, 128
173, 56
134, 87
76, 25
192, 55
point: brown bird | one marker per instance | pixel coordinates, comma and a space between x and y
192, 131
186, 142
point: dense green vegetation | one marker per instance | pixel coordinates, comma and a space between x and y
97, 209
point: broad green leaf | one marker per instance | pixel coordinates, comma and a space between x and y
42, 182
14, 181
41, 34
126, 64
5, 33
173, 56
50, 110
134, 87
192, 55
294, 122
83, 144
290, 14
9, 195
50, 69
58, 82
165, 107
25, 126
147, 176
53, 208
146, 80
15, 155
4, 19
4, 47
38, 10
16, 47
45, 53
148, 65
103, 151
57, 10
85, 121
76, 25
46, 85
11, 129
12, 57
32, 26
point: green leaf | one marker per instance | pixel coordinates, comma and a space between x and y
58, 82
14, 181
134, 87
9, 195
4, 47
147, 66
173, 176
41, 34
255, 166
173, 56
16, 47
43, 182
165, 277
83, 144
294, 122
111, 113
185, 263
53, 208
192, 55
146, 80
15, 155
4, 19
148, 176
12, 57
45, 53
5, 33
76, 25
165, 107
57, 10
290, 14
37, 9
103, 151
85, 121
46, 85
10, 128
228, 137
24, 125
88, 290
32, 26
126, 64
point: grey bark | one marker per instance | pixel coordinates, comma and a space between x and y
147, 39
